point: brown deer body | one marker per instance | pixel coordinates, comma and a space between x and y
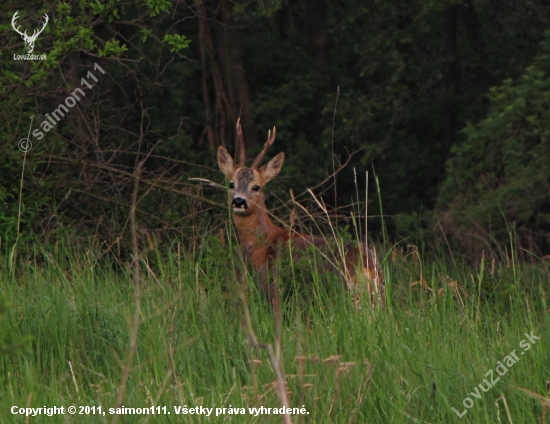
262, 240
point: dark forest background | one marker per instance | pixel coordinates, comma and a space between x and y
446, 103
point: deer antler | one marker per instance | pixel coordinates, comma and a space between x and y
29, 40
17, 28
239, 144
268, 143
36, 32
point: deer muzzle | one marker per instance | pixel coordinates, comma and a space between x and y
239, 204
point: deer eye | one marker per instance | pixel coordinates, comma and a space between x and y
256, 188
231, 185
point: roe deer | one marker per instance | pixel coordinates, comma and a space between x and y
261, 240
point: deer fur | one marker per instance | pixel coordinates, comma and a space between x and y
261, 240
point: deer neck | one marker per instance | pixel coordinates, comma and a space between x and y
256, 231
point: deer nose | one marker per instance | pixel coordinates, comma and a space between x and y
239, 202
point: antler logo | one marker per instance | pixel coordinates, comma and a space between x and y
29, 40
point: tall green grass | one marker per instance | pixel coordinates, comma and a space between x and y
446, 326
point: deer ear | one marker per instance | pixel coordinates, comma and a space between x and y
273, 167
225, 162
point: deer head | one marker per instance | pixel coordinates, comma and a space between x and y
246, 184
29, 40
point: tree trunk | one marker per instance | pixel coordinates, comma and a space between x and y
316, 26
450, 41
235, 76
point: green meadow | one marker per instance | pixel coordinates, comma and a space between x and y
175, 334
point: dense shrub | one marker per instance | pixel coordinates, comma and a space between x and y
498, 180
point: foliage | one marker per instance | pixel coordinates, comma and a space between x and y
77, 34
394, 82
112, 48
176, 42
390, 65
499, 179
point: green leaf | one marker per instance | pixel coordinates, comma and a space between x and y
112, 48
176, 42
145, 33
157, 6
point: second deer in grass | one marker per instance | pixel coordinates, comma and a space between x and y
262, 240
